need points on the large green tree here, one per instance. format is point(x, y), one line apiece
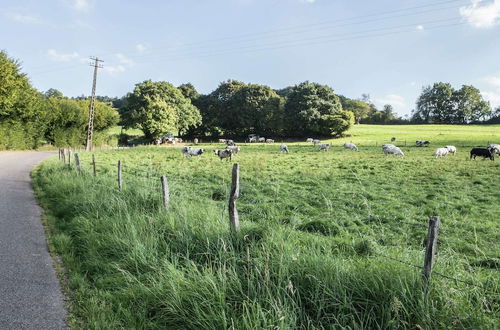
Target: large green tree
point(312, 109)
point(442, 104)
point(359, 108)
point(158, 108)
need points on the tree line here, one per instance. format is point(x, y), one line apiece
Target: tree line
point(29, 118)
point(234, 109)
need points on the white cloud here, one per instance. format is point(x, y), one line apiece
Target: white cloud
point(141, 48)
point(124, 60)
point(24, 18)
point(308, 1)
point(82, 5)
point(61, 57)
point(493, 92)
point(114, 68)
point(395, 100)
point(420, 27)
point(481, 16)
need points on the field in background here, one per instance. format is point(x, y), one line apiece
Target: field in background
point(320, 235)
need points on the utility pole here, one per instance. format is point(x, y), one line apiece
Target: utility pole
point(90, 132)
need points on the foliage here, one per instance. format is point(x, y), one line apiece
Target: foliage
point(158, 108)
point(314, 227)
point(311, 109)
point(359, 108)
point(441, 103)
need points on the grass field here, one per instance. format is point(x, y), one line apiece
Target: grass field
point(320, 235)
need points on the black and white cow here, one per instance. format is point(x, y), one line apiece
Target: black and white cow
point(284, 148)
point(224, 153)
point(483, 152)
point(188, 151)
point(422, 143)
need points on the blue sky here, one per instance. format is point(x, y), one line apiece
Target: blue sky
point(386, 48)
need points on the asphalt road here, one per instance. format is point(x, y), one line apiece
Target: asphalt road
point(30, 294)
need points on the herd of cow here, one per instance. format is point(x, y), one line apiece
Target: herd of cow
point(232, 149)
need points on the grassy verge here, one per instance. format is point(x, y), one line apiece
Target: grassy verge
point(309, 255)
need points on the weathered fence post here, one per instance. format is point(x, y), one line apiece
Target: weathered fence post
point(59, 153)
point(69, 157)
point(431, 248)
point(234, 219)
point(405, 143)
point(64, 156)
point(165, 191)
point(120, 174)
point(93, 164)
point(77, 162)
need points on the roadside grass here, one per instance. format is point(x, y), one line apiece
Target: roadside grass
point(315, 227)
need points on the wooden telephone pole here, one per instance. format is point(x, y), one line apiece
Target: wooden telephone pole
point(90, 132)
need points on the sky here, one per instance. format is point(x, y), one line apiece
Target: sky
point(388, 49)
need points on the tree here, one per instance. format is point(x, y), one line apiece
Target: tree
point(189, 91)
point(443, 104)
point(388, 113)
point(158, 108)
point(360, 109)
point(52, 92)
point(309, 109)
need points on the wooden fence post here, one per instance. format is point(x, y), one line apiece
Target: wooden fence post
point(69, 157)
point(64, 156)
point(431, 248)
point(93, 164)
point(120, 174)
point(166, 192)
point(59, 153)
point(405, 143)
point(77, 162)
point(234, 219)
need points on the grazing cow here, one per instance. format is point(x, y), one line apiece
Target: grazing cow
point(222, 140)
point(393, 139)
point(494, 148)
point(422, 143)
point(252, 140)
point(310, 140)
point(324, 146)
point(452, 149)
point(224, 153)
point(262, 139)
point(234, 149)
point(392, 149)
point(441, 152)
point(283, 148)
point(229, 143)
point(315, 141)
point(483, 152)
point(195, 141)
point(188, 151)
point(269, 141)
point(350, 146)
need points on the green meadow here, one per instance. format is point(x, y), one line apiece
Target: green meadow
point(328, 240)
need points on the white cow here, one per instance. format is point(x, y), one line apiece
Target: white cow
point(188, 151)
point(234, 149)
point(392, 149)
point(441, 152)
point(224, 153)
point(350, 146)
point(269, 141)
point(310, 140)
point(452, 149)
point(262, 139)
point(494, 148)
point(315, 141)
point(283, 148)
point(324, 146)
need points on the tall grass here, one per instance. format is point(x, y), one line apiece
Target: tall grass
point(309, 255)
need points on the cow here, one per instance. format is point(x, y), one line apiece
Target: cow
point(422, 143)
point(316, 141)
point(262, 139)
point(393, 139)
point(392, 149)
point(283, 148)
point(441, 152)
point(324, 147)
point(350, 146)
point(483, 152)
point(229, 143)
point(269, 141)
point(252, 140)
point(452, 149)
point(224, 153)
point(195, 141)
point(222, 140)
point(188, 151)
point(310, 140)
point(234, 149)
point(494, 148)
